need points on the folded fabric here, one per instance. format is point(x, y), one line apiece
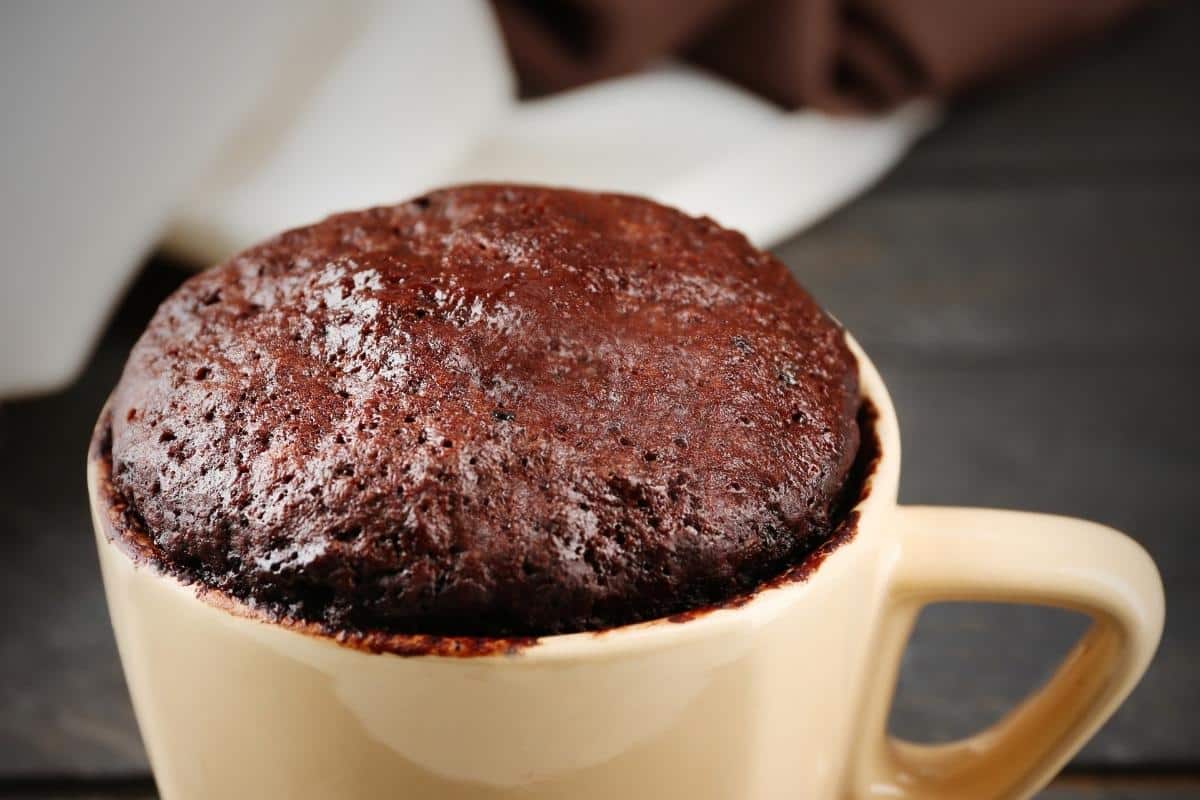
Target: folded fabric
point(835, 55)
point(209, 130)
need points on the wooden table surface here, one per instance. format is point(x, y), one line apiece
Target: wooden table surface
point(1027, 283)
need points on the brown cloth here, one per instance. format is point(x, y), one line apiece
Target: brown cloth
point(838, 55)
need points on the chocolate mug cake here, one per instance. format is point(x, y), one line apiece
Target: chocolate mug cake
point(492, 410)
point(353, 480)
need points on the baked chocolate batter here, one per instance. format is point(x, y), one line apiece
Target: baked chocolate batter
point(493, 410)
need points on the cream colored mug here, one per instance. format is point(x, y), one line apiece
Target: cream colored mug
point(784, 696)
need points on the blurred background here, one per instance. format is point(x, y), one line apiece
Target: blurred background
point(1001, 200)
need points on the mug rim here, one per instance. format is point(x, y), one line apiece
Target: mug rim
point(759, 605)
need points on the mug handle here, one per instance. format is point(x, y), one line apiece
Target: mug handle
point(964, 554)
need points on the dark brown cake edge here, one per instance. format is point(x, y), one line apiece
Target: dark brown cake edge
point(127, 531)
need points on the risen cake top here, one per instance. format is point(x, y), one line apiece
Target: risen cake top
point(490, 410)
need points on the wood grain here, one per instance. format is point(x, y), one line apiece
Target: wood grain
point(1054, 273)
point(1079, 440)
point(1124, 107)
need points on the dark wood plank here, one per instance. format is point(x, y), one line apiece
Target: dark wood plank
point(1064, 271)
point(1111, 789)
point(1088, 441)
point(64, 709)
point(1127, 103)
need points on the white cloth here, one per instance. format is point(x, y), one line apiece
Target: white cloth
point(216, 125)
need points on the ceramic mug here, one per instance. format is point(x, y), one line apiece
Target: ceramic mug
point(785, 695)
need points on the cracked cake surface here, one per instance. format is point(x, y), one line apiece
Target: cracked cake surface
point(492, 410)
